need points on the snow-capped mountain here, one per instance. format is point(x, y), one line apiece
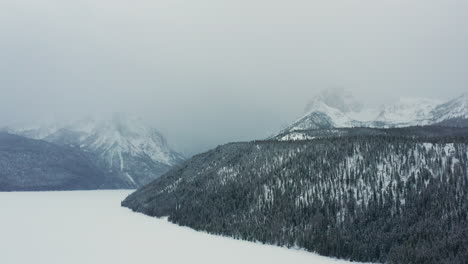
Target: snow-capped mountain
point(126, 146)
point(337, 109)
point(455, 109)
point(322, 116)
point(332, 108)
point(408, 111)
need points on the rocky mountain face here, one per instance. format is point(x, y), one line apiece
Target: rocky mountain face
point(35, 165)
point(338, 109)
point(124, 146)
point(395, 195)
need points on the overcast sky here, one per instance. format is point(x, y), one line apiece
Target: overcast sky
point(209, 71)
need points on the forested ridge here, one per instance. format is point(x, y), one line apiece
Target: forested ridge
point(380, 198)
point(35, 165)
point(417, 132)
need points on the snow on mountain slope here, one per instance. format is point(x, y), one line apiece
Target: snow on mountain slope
point(128, 135)
point(453, 109)
point(126, 145)
point(34, 131)
point(335, 110)
point(295, 136)
point(322, 115)
point(278, 192)
point(408, 111)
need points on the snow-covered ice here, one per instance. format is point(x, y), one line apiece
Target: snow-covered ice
point(89, 227)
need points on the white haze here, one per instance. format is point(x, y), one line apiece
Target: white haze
point(208, 72)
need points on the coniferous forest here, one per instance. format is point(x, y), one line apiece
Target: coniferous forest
point(381, 198)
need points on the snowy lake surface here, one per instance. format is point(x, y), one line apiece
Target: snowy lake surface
point(87, 227)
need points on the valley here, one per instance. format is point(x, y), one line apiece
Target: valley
point(90, 227)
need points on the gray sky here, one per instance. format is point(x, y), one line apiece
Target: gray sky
point(207, 72)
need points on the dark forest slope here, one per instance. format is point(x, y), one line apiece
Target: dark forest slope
point(35, 165)
point(395, 199)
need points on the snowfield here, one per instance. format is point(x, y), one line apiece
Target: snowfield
point(91, 227)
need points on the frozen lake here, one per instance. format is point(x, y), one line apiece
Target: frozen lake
point(87, 227)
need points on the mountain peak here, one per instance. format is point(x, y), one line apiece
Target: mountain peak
point(337, 98)
point(125, 143)
point(337, 108)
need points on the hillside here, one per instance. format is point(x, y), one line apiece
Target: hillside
point(409, 132)
point(127, 148)
point(384, 198)
point(35, 165)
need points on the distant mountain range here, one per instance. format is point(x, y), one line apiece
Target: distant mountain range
point(124, 147)
point(35, 165)
point(338, 109)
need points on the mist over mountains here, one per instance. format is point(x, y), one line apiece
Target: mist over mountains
point(124, 147)
point(212, 112)
point(338, 108)
point(344, 180)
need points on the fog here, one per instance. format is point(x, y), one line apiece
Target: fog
point(208, 72)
